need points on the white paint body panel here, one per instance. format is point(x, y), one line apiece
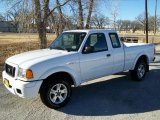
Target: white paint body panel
point(134, 50)
point(81, 67)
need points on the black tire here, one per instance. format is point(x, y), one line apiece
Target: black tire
point(49, 92)
point(136, 74)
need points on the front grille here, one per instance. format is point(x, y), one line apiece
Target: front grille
point(10, 70)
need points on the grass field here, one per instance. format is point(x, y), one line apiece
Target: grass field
point(14, 43)
point(8, 38)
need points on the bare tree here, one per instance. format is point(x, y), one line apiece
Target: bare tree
point(58, 20)
point(113, 7)
point(20, 14)
point(151, 20)
point(21, 19)
point(70, 22)
point(99, 21)
point(91, 2)
point(126, 25)
point(141, 19)
point(80, 12)
point(12, 15)
point(83, 11)
point(41, 21)
point(114, 14)
point(2, 18)
point(119, 25)
point(60, 15)
point(42, 13)
point(135, 26)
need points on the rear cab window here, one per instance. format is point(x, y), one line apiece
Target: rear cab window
point(114, 40)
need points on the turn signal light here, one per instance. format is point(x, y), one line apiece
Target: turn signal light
point(29, 74)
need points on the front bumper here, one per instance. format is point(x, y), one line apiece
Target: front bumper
point(23, 89)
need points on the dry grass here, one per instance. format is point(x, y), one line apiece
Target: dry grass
point(11, 44)
point(8, 38)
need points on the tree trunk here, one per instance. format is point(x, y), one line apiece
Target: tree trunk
point(55, 26)
point(41, 23)
point(60, 14)
point(89, 14)
point(155, 18)
point(42, 35)
point(80, 14)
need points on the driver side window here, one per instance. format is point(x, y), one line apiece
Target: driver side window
point(97, 41)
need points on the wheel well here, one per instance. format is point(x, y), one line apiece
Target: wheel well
point(59, 74)
point(145, 58)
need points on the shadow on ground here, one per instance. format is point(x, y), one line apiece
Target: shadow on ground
point(116, 96)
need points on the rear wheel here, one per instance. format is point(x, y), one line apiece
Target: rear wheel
point(56, 93)
point(139, 71)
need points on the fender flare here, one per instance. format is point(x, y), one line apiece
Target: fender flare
point(49, 72)
point(137, 57)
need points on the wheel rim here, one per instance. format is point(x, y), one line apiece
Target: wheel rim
point(141, 71)
point(58, 93)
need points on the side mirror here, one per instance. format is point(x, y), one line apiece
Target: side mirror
point(88, 49)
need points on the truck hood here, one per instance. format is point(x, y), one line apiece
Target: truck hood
point(36, 54)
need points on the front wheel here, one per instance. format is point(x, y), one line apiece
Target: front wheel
point(139, 71)
point(56, 93)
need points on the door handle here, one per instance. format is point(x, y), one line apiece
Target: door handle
point(108, 55)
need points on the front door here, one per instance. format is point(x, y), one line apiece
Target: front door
point(97, 62)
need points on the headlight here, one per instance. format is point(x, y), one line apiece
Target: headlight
point(21, 73)
point(25, 73)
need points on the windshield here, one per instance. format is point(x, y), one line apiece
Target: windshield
point(68, 41)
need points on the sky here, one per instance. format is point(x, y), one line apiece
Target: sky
point(127, 9)
point(130, 9)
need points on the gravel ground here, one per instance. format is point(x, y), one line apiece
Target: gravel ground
point(114, 97)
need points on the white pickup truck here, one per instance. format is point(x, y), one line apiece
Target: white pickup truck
point(75, 57)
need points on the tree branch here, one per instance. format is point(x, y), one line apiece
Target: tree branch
point(57, 7)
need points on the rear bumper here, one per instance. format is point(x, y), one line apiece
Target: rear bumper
point(20, 88)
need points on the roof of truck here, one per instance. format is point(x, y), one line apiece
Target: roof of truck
point(91, 30)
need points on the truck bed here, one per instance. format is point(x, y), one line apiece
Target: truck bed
point(134, 50)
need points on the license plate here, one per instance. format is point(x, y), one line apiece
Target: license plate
point(6, 82)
